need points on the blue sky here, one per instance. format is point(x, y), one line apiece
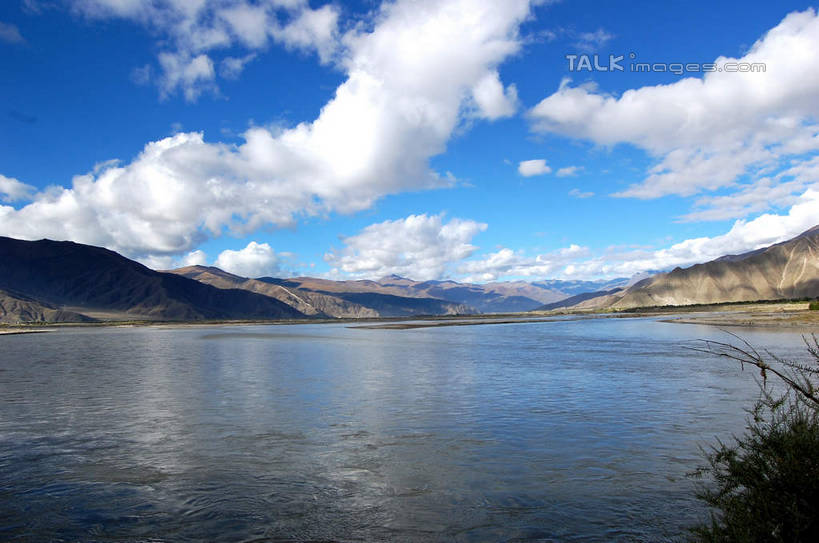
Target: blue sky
point(444, 139)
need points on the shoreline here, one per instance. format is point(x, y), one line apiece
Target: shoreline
point(785, 315)
point(762, 315)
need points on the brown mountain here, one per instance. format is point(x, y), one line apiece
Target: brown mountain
point(323, 297)
point(67, 276)
point(788, 270)
point(394, 296)
point(502, 297)
point(306, 301)
point(16, 309)
point(578, 299)
point(499, 297)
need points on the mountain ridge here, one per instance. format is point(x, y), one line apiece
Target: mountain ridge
point(64, 274)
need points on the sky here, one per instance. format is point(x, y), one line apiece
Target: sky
point(449, 139)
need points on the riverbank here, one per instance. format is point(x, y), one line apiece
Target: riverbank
point(764, 314)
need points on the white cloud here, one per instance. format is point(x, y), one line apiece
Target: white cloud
point(577, 193)
point(420, 247)
point(195, 258)
point(529, 168)
point(255, 260)
point(112, 8)
point(569, 171)
point(408, 82)
point(577, 262)
point(706, 133)
point(10, 33)
point(232, 67)
point(743, 236)
point(193, 75)
point(312, 29)
point(191, 32)
point(592, 41)
point(493, 102)
point(423, 247)
point(428, 247)
point(508, 263)
point(779, 190)
point(12, 190)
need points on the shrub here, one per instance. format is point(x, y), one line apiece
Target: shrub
point(765, 486)
point(814, 306)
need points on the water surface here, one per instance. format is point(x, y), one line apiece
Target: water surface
point(556, 431)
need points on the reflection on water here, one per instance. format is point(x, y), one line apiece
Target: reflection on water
point(559, 431)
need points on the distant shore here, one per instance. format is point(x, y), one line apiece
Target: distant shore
point(763, 314)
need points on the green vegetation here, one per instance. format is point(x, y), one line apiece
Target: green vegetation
point(765, 486)
point(814, 306)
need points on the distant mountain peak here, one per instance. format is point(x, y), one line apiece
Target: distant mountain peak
point(394, 277)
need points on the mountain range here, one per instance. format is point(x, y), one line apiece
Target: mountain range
point(391, 296)
point(61, 281)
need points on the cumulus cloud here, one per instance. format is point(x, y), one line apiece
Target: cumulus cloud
point(425, 247)
point(529, 168)
point(508, 263)
point(743, 236)
point(12, 190)
point(192, 33)
point(312, 29)
point(428, 247)
point(492, 100)
point(255, 260)
point(421, 247)
point(575, 262)
point(408, 83)
point(195, 258)
point(707, 133)
point(191, 74)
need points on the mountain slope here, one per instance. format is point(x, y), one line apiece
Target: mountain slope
point(308, 302)
point(395, 296)
point(385, 300)
point(576, 287)
point(16, 309)
point(578, 298)
point(84, 278)
point(389, 305)
point(787, 270)
point(501, 297)
point(320, 297)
